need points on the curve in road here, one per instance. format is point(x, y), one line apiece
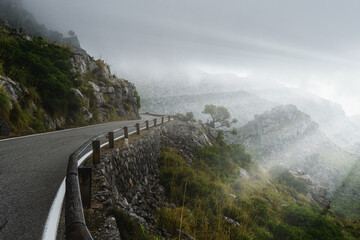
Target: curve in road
point(31, 171)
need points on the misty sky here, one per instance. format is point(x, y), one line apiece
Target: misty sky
point(313, 45)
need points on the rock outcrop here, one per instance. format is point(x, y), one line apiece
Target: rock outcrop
point(11, 88)
point(275, 130)
point(109, 91)
point(288, 137)
point(96, 95)
point(317, 194)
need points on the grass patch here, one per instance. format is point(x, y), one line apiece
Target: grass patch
point(5, 104)
point(266, 207)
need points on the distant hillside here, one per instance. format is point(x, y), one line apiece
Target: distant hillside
point(346, 199)
point(245, 97)
point(330, 116)
point(13, 14)
point(356, 120)
point(242, 105)
point(45, 86)
point(287, 137)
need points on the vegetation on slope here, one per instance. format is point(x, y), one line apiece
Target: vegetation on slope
point(346, 200)
point(41, 65)
point(45, 71)
point(49, 93)
point(264, 208)
point(211, 200)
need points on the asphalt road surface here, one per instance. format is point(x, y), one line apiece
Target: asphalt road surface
point(31, 171)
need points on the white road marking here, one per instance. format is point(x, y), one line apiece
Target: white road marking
point(53, 219)
point(58, 131)
point(52, 222)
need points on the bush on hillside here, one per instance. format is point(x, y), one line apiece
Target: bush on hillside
point(283, 175)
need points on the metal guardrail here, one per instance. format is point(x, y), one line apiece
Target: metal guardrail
point(74, 214)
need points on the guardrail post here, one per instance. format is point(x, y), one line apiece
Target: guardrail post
point(162, 120)
point(154, 122)
point(126, 133)
point(147, 124)
point(169, 118)
point(85, 185)
point(111, 139)
point(96, 152)
point(137, 128)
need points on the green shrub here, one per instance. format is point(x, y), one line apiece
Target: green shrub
point(209, 180)
point(313, 224)
point(284, 176)
point(5, 104)
point(285, 232)
point(20, 119)
point(44, 66)
point(259, 211)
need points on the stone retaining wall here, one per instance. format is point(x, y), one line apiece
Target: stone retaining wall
point(128, 176)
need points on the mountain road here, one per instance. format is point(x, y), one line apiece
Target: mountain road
point(31, 171)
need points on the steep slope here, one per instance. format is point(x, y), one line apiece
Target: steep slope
point(44, 86)
point(346, 199)
point(330, 116)
point(14, 15)
point(287, 137)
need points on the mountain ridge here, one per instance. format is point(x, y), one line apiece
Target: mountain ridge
point(288, 137)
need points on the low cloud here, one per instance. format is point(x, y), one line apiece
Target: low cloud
point(312, 45)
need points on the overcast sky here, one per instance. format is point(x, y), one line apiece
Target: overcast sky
point(311, 44)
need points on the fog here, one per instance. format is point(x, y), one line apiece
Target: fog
point(313, 45)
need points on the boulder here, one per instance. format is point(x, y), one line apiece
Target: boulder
point(12, 88)
point(87, 115)
point(244, 174)
point(77, 93)
point(231, 222)
point(320, 195)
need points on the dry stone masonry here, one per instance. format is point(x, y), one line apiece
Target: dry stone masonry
point(128, 176)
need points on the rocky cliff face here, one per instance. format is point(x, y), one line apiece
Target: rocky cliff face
point(82, 90)
point(275, 130)
point(330, 116)
point(287, 137)
point(110, 95)
point(315, 193)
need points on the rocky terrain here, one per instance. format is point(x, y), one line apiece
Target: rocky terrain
point(110, 91)
point(330, 116)
point(287, 137)
point(315, 193)
point(245, 97)
point(82, 90)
